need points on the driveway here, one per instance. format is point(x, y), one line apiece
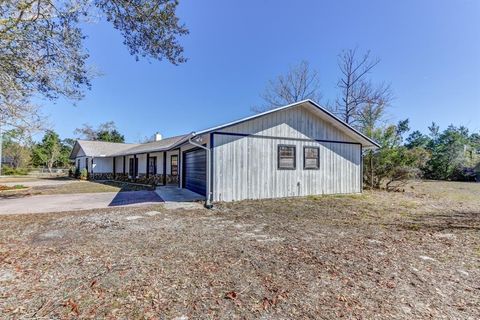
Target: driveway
point(73, 202)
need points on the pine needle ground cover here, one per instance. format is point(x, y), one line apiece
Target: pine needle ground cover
point(414, 254)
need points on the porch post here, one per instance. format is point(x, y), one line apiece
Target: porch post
point(124, 165)
point(91, 169)
point(114, 169)
point(135, 167)
point(179, 165)
point(164, 167)
point(146, 166)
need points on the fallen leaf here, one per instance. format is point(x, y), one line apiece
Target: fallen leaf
point(232, 295)
point(266, 303)
point(73, 306)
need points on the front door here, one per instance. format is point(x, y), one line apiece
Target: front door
point(133, 167)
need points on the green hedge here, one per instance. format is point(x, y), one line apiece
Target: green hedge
point(10, 171)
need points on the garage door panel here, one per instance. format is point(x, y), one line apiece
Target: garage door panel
point(195, 171)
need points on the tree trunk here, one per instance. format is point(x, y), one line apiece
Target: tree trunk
point(371, 170)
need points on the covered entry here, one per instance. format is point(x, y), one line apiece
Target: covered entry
point(195, 170)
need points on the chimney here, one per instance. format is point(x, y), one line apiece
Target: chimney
point(157, 137)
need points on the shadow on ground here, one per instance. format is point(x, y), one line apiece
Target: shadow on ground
point(130, 193)
point(123, 198)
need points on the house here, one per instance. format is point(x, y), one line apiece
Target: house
point(296, 150)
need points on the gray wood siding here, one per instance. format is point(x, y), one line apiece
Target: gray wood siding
point(298, 123)
point(247, 167)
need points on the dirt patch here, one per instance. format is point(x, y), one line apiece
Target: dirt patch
point(17, 187)
point(378, 255)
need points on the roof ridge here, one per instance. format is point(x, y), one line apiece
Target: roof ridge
point(83, 140)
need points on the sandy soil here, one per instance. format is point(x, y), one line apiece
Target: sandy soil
point(411, 255)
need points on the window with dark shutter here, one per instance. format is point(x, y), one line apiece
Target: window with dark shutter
point(286, 157)
point(311, 158)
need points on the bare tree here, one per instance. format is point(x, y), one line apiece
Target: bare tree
point(370, 117)
point(299, 83)
point(357, 91)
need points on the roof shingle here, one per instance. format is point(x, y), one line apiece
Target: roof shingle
point(110, 149)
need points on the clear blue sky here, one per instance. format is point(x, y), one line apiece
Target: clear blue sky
point(430, 52)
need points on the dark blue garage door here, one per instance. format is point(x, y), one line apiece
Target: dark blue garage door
point(195, 171)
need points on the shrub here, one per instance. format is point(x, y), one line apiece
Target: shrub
point(11, 171)
point(464, 174)
point(83, 174)
point(77, 173)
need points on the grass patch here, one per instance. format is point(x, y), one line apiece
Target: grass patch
point(75, 187)
point(336, 196)
point(10, 188)
point(90, 187)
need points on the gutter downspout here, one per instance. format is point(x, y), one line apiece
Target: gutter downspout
point(208, 201)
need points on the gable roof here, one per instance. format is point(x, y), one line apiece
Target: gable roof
point(108, 149)
point(99, 148)
point(112, 149)
point(160, 145)
point(324, 113)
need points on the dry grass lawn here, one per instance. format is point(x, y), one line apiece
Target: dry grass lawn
point(88, 187)
point(68, 186)
point(411, 255)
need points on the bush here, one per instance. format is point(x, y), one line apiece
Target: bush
point(77, 173)
point(83, 174)
point(11, 171)
point(464, 174)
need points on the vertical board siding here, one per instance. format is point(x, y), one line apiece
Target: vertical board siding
point(246, 166)
point(142, 163)
point(102, 165)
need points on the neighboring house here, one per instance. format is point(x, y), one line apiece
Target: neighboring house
point(296, 150)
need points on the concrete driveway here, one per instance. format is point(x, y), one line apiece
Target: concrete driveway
point(74, 202)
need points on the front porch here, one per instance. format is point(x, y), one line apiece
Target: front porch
point(156, 169)
point(184, 166)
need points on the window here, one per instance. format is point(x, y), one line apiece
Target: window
point(311, 158)
point(174, 165)
point(78, 164)
point(152, 165)
point(86, 164)
point(286, 157)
